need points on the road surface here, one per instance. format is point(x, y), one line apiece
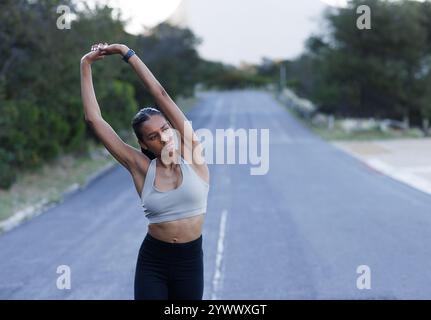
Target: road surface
point(298, 232)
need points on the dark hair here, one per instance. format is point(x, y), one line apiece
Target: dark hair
point(143, 115)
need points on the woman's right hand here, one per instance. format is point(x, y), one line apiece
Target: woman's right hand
point(95, 54)
point(100, 50)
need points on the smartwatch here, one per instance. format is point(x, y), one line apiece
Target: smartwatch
point(127, 56)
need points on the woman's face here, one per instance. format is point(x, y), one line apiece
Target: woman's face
point(157, 134)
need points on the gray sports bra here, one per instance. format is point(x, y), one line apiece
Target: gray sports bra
point(189, 199)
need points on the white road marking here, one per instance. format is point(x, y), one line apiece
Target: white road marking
point(217, 279)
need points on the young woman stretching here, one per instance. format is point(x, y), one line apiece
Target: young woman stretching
point(172, 181)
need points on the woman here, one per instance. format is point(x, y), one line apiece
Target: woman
point(173, 183)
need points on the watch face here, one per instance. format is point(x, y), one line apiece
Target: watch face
point(129, 54)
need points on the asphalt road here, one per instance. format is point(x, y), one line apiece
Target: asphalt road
point(298, 232)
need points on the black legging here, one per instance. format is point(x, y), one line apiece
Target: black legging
point(171, 271)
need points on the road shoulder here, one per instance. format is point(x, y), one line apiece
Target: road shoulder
point(405, 160)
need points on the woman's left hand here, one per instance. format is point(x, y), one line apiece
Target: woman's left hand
point(115, 48)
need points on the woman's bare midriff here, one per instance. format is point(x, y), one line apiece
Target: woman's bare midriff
point(178, 231)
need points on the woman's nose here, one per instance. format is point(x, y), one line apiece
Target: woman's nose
point(166, 136)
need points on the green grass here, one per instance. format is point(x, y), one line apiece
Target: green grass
point(50, 181)
point(364, 135)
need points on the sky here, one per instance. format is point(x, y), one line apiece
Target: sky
point(235, 31)
point(248, 30)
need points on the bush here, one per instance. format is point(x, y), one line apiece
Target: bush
point(7, 173)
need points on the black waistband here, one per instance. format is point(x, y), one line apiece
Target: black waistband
point(189, 244)
point(167, 250)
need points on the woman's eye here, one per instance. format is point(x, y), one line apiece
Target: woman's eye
point(166, 129)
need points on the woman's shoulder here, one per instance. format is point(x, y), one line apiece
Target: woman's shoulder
point(200, 168)
point(141, 167)
point(142, 163)
point(142, 173)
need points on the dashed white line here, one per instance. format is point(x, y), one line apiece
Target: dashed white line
point(217, 279)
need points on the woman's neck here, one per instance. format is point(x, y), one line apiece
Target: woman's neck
point(172, 160)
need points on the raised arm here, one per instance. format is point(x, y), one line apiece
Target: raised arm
point(169, 108)
point(131, 158)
